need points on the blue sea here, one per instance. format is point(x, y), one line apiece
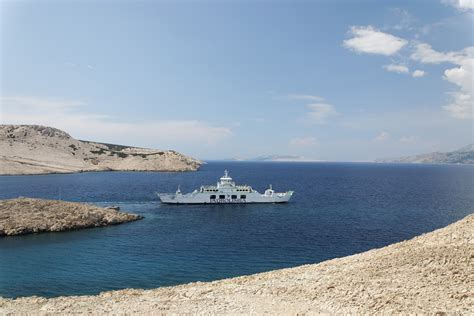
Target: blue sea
point(338, 209)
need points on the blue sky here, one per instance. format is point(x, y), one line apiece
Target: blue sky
point(328, 80)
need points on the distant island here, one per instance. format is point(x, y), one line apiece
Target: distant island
point(276, 158)
point(283, 158)
point(464, 155)
point(35, 149)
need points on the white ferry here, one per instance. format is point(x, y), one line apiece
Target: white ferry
point(225, 192)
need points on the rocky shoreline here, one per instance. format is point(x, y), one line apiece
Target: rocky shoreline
point(429, 274)
point(26, 216)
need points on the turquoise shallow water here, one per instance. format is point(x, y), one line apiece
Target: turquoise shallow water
point(338, 209)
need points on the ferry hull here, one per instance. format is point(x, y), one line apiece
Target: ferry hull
point(206, 199)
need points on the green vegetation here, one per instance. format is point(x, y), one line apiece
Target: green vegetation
point(101, 151)
point(112, 147)
point(120, 154)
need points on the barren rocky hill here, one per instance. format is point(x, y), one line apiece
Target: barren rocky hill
point(26, 215)
point(432, 274)
point(34, 149)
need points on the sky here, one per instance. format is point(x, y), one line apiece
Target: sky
point(326, 80)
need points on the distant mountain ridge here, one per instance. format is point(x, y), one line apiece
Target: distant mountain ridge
point(464, 155)
point(36, 149)
point(282, 158)
point(275, 158)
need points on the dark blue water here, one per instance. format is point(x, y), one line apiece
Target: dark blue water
point(338, 209)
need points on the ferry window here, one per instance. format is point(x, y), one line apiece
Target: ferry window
point(221, 197)
point(243, 196)
point(213, 197)
point(234, 197)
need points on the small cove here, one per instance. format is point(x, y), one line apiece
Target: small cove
point(338, 209)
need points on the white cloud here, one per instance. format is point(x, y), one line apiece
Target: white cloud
point(418, 73)
point(461, 103)
point(463, 5)
point(382, 137)
point(370, 40)
point(367, 39)
point(70, 117)
point(305, 97)
point(426, 54)
point(401, 69)
point(320, 112)
point(462, 76)
point(303, 142)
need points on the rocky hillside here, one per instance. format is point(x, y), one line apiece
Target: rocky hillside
point(34, 149)
point(429, 275)
point(463, 155)
point(25, 216)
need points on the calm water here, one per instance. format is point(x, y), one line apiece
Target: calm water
point(338, 209)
